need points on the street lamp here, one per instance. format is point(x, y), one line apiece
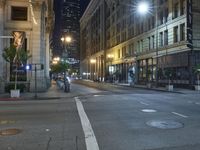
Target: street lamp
point(144, 8)
point(66, 40)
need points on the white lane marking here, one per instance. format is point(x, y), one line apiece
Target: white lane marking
point(97, 95)
point(90, 139)
point(181, 115)
point(144, 103)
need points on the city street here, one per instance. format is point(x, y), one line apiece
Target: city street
point(120, 118)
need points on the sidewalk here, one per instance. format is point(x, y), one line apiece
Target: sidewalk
point(175, 90)
point(52, 93)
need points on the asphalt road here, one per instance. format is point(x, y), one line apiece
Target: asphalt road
point(90, 119)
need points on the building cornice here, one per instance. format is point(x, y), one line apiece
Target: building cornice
point(90, 10)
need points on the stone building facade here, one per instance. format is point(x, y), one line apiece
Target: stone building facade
point(36, 19)
point(141, 47)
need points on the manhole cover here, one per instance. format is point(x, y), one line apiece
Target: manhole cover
point(165, 124)
point(149, 110)
point(8, 132)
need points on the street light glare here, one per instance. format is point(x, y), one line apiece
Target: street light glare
point(143, 7)
point(68, 39)
point(62, 39)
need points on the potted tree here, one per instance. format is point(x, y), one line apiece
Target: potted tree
point(197, 72)
point(61, 67)
point(169, 73)
point(16, 58)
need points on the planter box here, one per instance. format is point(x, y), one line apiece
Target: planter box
point(149, 85)
point(15, 93)
point(170, 87)
point(197, 87)
point(132, 84)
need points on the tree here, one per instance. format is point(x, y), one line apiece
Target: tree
point(59, 67)
point(15, 58)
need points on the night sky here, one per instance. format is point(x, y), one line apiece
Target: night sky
point(84, 4)
point(57, 26)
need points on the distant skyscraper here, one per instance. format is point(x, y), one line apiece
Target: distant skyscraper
point(70, 16)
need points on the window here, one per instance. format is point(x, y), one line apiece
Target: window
point(19, 13)
point(166, 12)
point(161, 38)
point(138, 46)
point(166, 37)
point(152, 41)
point(175, 10)
point(182, 32)
point(161, 17)
point(149, 43)
point(124, 51)
point(182, 7)
point(175, 34)
point(119, 53)
point(141, 45)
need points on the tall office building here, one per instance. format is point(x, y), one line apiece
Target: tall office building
point(125, 46)
point(70, 16)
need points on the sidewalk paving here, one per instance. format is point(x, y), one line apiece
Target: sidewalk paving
point(52, 93)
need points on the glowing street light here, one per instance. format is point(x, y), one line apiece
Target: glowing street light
point(66, 39)
point(143, 7)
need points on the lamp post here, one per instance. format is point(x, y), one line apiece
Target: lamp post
point(66, 40)
point(143, 8)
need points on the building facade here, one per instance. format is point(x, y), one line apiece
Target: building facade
point(35, 19)
point(70, 26)
point(143, 48)
point(92, 34)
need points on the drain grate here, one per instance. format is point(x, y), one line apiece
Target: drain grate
point(9, 132)
point(165, 124)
